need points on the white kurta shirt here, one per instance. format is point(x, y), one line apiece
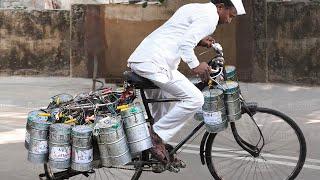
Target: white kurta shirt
point(177, 38)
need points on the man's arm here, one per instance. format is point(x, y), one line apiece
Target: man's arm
point(200, 29)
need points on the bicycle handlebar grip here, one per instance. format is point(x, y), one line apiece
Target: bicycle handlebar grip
point(218, 48)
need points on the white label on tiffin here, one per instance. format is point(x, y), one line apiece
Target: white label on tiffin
point(83, 156)
point(212, 118)
point(39, 147)
point(27, 137)
point(61, 153)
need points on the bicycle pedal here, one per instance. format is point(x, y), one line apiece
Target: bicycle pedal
point(158, 168)
point(171, 168)
point(180, 164)
point(42, 177)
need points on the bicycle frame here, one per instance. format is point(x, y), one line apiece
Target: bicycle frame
point(251, 149)
point(150, 118)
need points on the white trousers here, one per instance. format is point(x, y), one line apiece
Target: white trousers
point(172, 84)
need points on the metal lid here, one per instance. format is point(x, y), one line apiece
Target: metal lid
point(41, 121)
point(41, 124)
point(82, 130)
point(36, 115)
point(133, 109)
point(61, 127)
point(230, 87)
point(212, 94)
point(107, 124)
point(230, 71)
point(98, 118)
point(61, 98)
point(53, 114)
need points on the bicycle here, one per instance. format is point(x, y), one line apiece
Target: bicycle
point(243, 151)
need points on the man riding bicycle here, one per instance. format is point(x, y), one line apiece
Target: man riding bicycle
point(158, 56)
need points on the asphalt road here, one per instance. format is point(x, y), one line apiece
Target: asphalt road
point(19, 95)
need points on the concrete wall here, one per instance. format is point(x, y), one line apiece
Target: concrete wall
point(57, 4)
point(34, 42)
point(275, 41)
point(32, 4)
point(279, 42)
point(251, 42)
point(124, 27)
point(37, 42)
point(47, 4)
point(10, 3)
point(87, 39)
point(293, 42)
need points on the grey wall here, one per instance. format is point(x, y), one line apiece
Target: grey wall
point(34, 42)
point(10, 3)
point(279, 42)
point(275, 41)
point(293, 37)
point(32, 4)
point(112, 32)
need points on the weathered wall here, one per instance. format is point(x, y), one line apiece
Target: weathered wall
point(34, 42)
point(87, 39)
point(275, 41)
point(293, 42)
point(10, 3)
point(32, 4)
point(125, 26)
point(250, 42)
point(279, 42)
point(56, 4)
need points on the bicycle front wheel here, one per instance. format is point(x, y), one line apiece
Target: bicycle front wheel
point(281, 158)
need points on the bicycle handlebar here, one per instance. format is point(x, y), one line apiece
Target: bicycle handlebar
point(218, 48)
point(217, 63)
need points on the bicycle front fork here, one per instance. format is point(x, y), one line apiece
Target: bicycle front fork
point(254, 150)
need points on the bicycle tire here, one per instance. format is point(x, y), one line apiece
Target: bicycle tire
point(138, 172)
point(259, 110)
point(51, 176)
point(136, 175)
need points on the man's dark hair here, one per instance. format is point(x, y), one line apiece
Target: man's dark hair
point(227, 3)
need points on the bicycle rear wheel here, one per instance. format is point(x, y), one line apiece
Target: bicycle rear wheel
point(131, 171)
point(282, 157)
point(115, 173)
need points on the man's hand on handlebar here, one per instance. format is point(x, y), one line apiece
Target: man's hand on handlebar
point(206, 42)
point(203, 71)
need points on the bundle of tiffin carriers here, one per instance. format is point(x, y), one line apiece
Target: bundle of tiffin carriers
point(74, 132)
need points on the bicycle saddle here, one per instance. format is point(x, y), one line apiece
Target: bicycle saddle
point(138, 82)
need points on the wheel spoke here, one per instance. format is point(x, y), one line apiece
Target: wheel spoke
point(275, 170)
point(252, 162)
point(100, 174)
point(232, 163)
point(104, 170)
point(283, 140)
point(121, 173)
point(245, 165)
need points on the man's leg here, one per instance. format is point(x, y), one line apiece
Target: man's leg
point(176, 85)
point(156, 74)
point(191, 100)
point(158, 110)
